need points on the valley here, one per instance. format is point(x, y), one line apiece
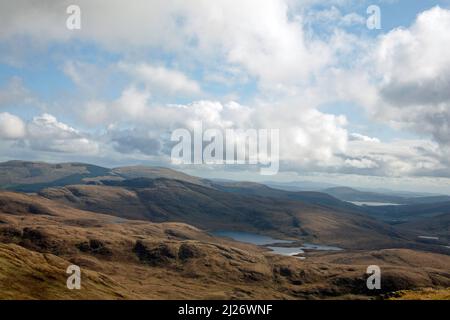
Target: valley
point(155, 233)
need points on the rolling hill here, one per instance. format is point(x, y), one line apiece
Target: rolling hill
point(132, 259)
point(160, 194)
point(161, 200)
point(25, 176)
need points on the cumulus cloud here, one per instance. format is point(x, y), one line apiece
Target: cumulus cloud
point(306, 135)
point(11, 127)
point(130, 106)
point(414, 66)
point(45, 133)
point(416, 55)
point(396, 158)
point(401, 80)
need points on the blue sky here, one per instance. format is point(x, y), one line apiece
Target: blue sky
point(133, 74)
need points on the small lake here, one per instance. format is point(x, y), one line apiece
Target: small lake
point(428, 238)
point(319, 247)
point(286, 251)
point(373, 204)
point(272, 243)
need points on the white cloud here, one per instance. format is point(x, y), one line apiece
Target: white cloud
point(306, 135)
point(417, 53)
point(260, 36)
point(46, 133)
point(414, 67)
point(130, 106)
point(132, 102)
point(401, 80)
point(395, 159)
point(11, 126)
point(160, 79)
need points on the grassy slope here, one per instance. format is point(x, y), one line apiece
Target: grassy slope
point(421, 294)
point(25, 274)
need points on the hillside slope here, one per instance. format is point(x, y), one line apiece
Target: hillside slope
point(436, 226)
point(122, 259)
point(33, 176)
point(162, 200)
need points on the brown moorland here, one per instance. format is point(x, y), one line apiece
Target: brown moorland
point(132, 259)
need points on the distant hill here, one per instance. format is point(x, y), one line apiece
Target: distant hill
point(409, 212)
point(354, 195)
point(133, 172)
point(33, 176)
point(300, 185)
point(28, 176)
point(311, 197)
point(350, 194)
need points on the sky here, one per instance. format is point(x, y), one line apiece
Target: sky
point(354, 105)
